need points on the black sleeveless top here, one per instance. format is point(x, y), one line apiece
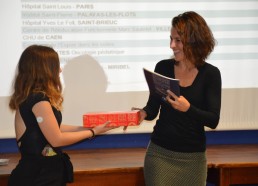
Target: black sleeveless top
point(34, 169)
point(33, 141)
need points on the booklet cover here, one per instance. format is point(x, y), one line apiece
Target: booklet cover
point(159, 84)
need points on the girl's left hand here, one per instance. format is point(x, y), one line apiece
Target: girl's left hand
point(178, 103)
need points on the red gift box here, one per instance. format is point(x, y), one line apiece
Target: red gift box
point(128, 118)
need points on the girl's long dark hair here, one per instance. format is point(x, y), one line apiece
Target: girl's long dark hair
point(37, 71)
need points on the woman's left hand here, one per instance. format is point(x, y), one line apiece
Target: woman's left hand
point(178, 103)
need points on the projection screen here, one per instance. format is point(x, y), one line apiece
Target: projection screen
point(104, 44)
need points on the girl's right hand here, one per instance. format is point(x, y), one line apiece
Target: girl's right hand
point(103, 128)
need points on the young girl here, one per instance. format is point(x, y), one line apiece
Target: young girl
point(37, 100)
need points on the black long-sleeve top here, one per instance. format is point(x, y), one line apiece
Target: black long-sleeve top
point(185, 131)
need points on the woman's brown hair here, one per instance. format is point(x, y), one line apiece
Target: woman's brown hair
point(37, 72)
point(196, 36)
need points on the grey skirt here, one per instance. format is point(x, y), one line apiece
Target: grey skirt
point(163, 167)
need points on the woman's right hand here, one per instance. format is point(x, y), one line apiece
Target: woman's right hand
point(143, 115)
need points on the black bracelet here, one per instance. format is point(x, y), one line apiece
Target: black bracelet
point(93, 133)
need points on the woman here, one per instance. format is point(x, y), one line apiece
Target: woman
point(37, 100)
point(176, 153)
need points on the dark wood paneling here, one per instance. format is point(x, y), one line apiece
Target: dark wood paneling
point(227, 164)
